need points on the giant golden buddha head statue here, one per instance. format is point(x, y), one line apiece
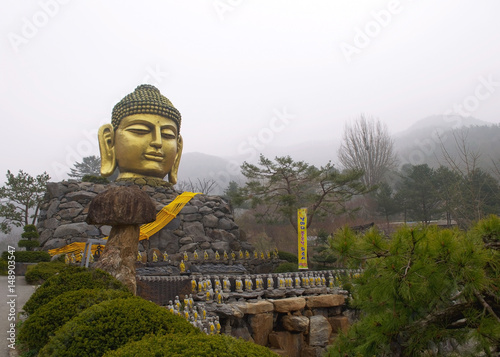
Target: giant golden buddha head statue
point(143, 139)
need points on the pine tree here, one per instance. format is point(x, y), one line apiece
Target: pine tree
point(426, 291)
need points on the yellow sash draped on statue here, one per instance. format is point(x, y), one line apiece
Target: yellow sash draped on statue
point(163, 218)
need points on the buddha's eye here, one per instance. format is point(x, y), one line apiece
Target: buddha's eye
point(139, 129)
point(167, 134)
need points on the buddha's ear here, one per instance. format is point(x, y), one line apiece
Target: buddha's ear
point(106, 137)
point(172, 176)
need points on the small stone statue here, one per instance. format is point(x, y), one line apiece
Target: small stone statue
point(270, 282)
point(155, 257)
point(239, 285)
point(205, 255)
point(248, 284)
point(255, 254)
point(182, 267)
point(225, 255)
point(217, 256)
point(247, 254)
point(233, 255)
point(217, 324)
point(165, 256)
point(185, 256)
point(226, 285)
point(195, 255)
point(193, 285)
point(217, 283)
point(241, 254)
point(139, 257)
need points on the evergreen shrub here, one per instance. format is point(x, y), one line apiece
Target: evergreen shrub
point(289, 257)
point(36, 330)
point(68, 279)
point(112, 324)
point(286, 268)
point(191, 345)
point(37, 274)
point(28, 257)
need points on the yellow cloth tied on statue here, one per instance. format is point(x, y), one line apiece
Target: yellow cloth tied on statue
point(163, 218)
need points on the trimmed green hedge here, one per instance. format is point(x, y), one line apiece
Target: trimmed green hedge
point(36, 330)
point(112, 324)
point(71, 278)
point(28, 257)
point(289, 257)
point(28, 244)
point(191, 345)
point(37, 274)
point(286, 268)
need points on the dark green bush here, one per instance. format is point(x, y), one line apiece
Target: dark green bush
point(68, 279)
point(191, 345)
point(289, 257)
point(112, 324)
point(28, 244)
point(286, 268)
point(28, 257)
point(36, 330)
point(95, 179)
point(37, 274)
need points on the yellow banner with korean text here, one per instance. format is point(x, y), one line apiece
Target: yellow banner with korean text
point(302, 230)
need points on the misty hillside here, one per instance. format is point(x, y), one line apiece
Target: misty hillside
point(195, 165)
point(423, 141)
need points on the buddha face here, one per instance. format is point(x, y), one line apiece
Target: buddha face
point(143, 145)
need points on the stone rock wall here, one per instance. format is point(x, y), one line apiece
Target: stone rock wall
point(205, 223)
point(294, 327)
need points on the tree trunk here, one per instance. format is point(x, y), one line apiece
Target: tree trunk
point(120, 253)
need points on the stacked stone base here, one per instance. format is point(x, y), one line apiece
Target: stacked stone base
point(294, 327)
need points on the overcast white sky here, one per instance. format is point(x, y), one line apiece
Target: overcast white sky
point(230, 66)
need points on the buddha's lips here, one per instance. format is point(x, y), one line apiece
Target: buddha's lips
point(155, 156)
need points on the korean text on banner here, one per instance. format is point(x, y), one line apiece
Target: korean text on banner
point(302, 230)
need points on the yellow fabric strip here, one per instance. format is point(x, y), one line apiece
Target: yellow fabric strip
point(163, 218)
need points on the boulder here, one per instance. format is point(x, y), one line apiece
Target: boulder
point(261, 326)
point(328, 300)
point(319, 331)
point(295, 323)
point(289, 304)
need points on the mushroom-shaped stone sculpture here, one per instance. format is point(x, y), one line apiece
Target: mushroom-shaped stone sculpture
point(124, 209)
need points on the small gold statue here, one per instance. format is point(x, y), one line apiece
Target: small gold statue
point(217, 256)
point(262, 256)
point(247, 254)
point(139, 257)
point(225, 255)
point(241, 254)
point(165, 256)
point(155, 257)
point(185, 256)
point(195, 255)
point(143, 139)
point(182, 267)
point(233, 255)
point(205, 255)
point(255, 254)
point(67, 258)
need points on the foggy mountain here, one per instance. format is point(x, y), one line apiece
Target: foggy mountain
point(419, 144)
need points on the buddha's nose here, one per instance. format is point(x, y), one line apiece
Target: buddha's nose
point(156, 140)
